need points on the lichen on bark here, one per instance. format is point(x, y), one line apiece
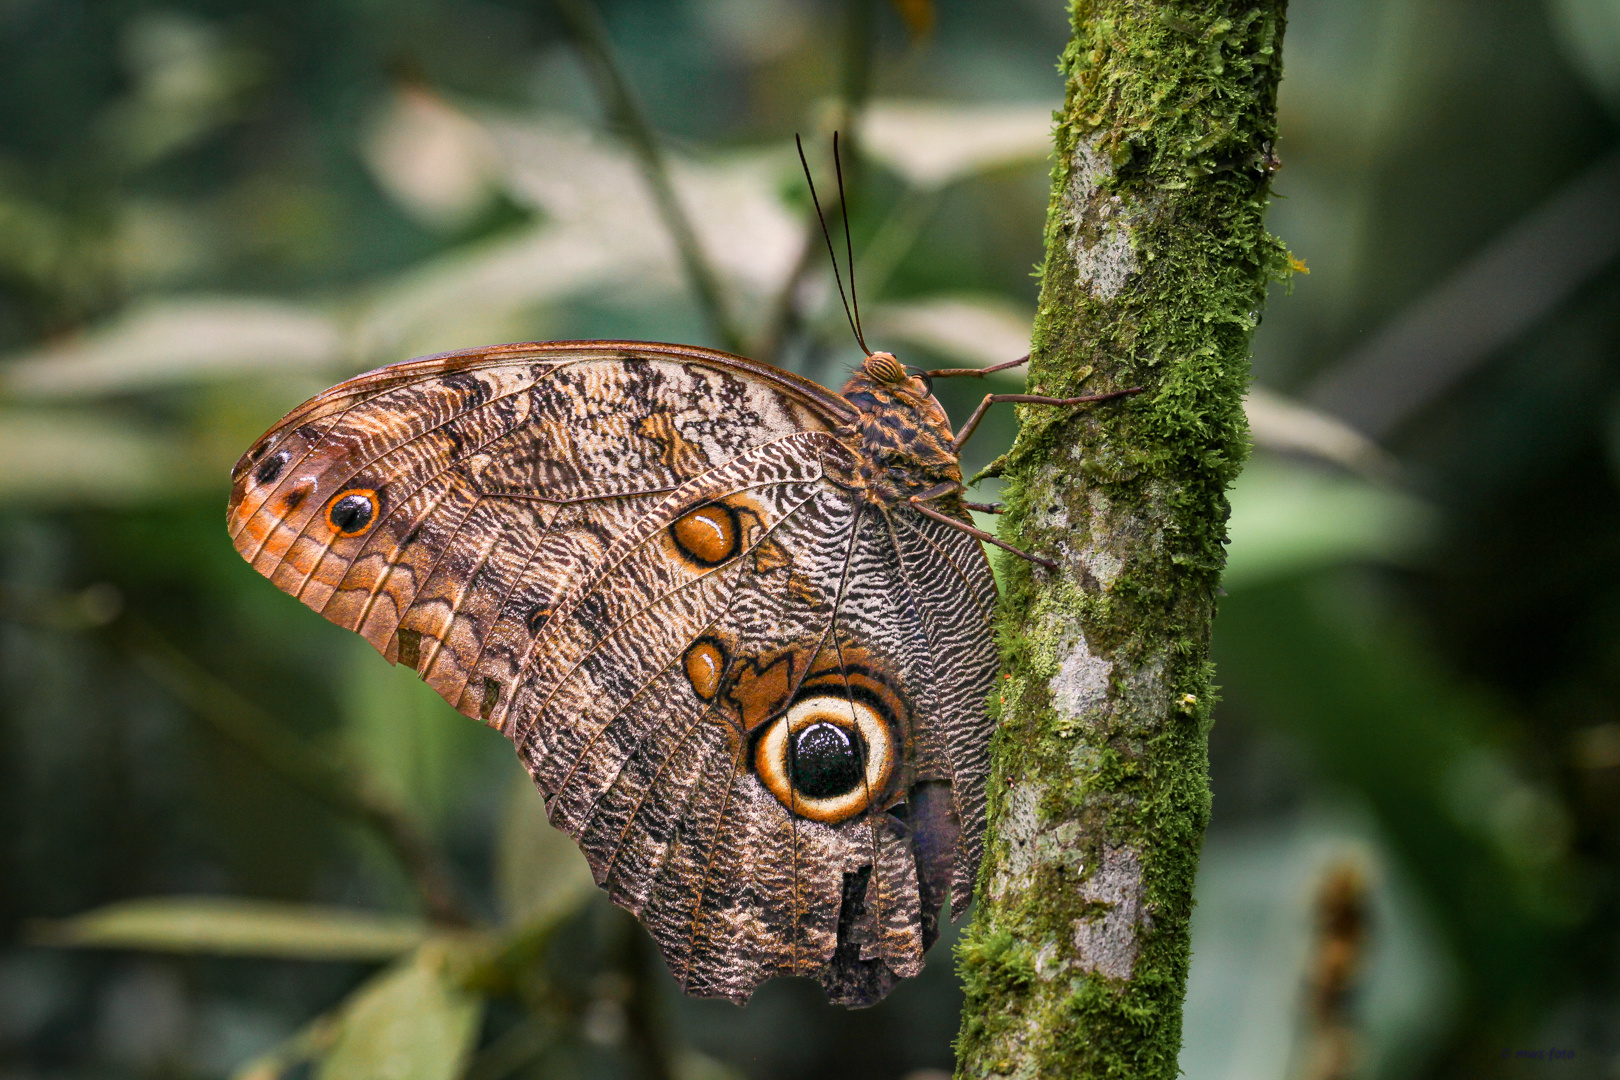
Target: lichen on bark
point(1157, 262)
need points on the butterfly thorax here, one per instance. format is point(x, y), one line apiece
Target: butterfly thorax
point(902, 438)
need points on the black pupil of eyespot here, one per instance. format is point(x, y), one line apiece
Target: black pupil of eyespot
point(351, 512)
point(826, 761)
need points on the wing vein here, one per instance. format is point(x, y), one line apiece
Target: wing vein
point(586, 654)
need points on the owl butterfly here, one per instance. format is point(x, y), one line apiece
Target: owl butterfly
point(737, 625)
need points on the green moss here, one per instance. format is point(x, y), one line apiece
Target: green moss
point(997, 959)
point(1171, 110)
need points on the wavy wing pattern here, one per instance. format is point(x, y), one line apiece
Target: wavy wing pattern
point(632, 560)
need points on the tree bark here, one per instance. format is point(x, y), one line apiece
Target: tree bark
point(1157, 263)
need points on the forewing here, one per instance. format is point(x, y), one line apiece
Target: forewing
point(476, 485)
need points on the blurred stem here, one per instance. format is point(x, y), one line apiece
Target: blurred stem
point(649, 1044)
point(585, 24)
point(516, 1048)
point(1343, 911)
point(340, 786)
point(895, 239)
point(1157, 262)
point(855, 86)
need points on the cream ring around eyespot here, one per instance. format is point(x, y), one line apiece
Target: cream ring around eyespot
point(771, 756)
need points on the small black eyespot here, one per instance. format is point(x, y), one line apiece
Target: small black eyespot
point(827, 761)
point(271, 468)
point(352, 513)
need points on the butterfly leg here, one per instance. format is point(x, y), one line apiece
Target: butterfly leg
point(920, 503)
point(1029, 399)
point(986, 508)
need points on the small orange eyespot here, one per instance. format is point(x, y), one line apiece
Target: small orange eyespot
point(351, 512)
point(708, 535)
point(705, 661)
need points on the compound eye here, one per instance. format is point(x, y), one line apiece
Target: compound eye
point(827, 758)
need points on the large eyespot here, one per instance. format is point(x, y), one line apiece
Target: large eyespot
point(351, 512)
point(827, 758)
point(708, 535)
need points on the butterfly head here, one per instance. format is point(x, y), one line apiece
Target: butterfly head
point(883, 379)
point(885, 369)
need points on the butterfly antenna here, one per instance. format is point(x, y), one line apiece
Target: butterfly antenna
point(827, 236)
point(849, 248)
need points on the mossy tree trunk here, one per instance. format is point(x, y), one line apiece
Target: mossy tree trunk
point(1157, 262)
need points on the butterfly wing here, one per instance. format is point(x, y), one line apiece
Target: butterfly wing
point(403, 503)
point(633, 561)
point(949, 593)
point(654, 723)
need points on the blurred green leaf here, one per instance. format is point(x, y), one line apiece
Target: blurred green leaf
point(691, 1065)
point(238, 927)
point(600, 233)
point(1255, 927)
point(412, 1022)
point(57, 457)
point(306, 1045)
point(1288, 426)
point(188, 80)
point(168, 342)
point(1292, 518)
point(1589, 33)
point(1320, 659)
point(414, 745)
point(932, 144)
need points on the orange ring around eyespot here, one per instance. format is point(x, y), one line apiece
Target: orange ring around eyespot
point(770, 759)
point(355, 528)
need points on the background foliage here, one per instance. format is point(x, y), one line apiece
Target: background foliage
point(293, 857)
